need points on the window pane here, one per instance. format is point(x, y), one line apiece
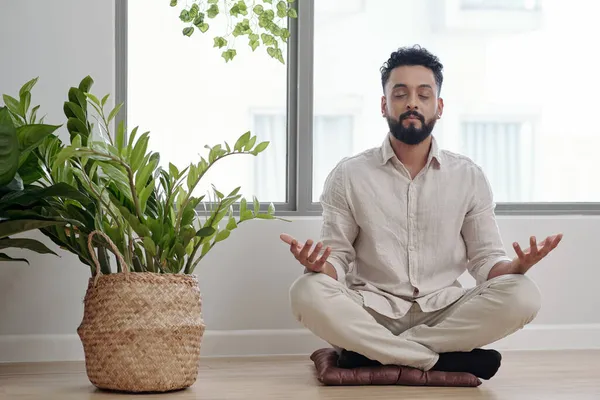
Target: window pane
point(184, 92)
point(519, 87)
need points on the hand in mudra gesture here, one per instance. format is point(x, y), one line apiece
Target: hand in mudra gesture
point(535, 253)
point(303, 254)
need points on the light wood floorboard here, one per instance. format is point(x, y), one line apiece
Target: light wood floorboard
point(568, 375)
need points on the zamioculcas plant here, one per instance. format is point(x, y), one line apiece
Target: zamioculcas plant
point(150, 213)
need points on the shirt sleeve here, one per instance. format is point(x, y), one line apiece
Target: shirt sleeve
point(480, 231)
point(339, 229)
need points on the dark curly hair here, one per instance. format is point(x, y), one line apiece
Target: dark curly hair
point(415, 55)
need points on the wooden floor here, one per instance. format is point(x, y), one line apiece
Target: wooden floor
point(569, 375)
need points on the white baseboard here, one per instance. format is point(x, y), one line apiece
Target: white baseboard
point(40, 348)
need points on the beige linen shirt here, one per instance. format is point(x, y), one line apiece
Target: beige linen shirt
point(397, 240)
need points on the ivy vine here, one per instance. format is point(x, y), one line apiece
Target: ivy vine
point(263, 22)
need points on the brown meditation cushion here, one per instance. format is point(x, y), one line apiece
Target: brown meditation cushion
point(330, 374)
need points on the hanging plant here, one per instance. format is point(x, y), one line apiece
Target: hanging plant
point(263, 24)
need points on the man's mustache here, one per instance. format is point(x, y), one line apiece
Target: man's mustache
point(412, 113)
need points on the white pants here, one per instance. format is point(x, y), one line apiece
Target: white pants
point(485, 314)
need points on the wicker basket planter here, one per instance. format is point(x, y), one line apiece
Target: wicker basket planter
point(141, 332)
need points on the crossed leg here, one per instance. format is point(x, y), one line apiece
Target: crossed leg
point(485, 314)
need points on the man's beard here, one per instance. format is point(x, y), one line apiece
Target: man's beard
point(410, 135)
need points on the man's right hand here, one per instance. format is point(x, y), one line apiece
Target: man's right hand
point(310, 260)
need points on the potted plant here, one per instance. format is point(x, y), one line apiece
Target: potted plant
point(142, 326)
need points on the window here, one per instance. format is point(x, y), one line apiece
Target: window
point(505, 151)
point(517, 99)
point(182, 91)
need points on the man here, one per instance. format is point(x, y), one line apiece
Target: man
point(401, 223)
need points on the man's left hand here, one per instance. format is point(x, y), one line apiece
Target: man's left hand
point(531, 256)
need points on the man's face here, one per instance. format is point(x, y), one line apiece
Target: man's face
point(410, 103)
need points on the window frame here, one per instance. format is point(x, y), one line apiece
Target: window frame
point(299, 121)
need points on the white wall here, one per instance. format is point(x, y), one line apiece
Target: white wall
point(245, 280)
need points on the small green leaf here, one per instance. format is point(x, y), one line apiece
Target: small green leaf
point(12, 104)
point(194, 10)
point(94, 99)
point(205, 248)
point(292, 13)
point(28, 86)
point(187, 31)
point(258, 9)
point(246, 215)
point(222, 236)
point(241, 142)
point(185, 16)
point(173, 3)
point(212, 11)
point(243, 205)
point(231, 225)
point(260, 148)
point(250, 143)
point(254, 44)
point(228, 55)
point(220, 42)
point(206, 231)
point(114, 112)
point(271, 209)
point(173, 171)
point(212, 1)
point(256, 205)
point(4, 257)
point(219, 194)
point(203, 27)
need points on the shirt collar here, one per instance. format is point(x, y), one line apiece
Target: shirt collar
point(387, 152)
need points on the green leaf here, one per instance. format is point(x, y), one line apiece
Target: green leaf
point(94, 99)
point(292, 13)
point(219, 194)
point(205, 249)
point(24, 103)
point(9, 148)
point(13, 227)
point(120, 139)
point(212, 11)
point(139, 151)
point(222, 236)
point(33, 114)
point(76, 111)
point(268, 1)
point(264, 216)
point(173, 3)
point(212, 1)
point(31, 136)
point(260, 148)
point(145, 195)
point(250, 143)
point(185, 16)
point(29, 244)
point(256, 205)
point(258, 9)
point(86, 84)
point(220, 42)
point(4, 257)
point(254, 44)
point(232, 224)
point(228, 55)
point(114, 112)
point(188, 31)
point(203, 27)
point(271, 209)
point(241, 142)
point(206, 231)
point(12, 104)
point(30, 170)
point(194, 10)
point(28, 86)
point(246, 215)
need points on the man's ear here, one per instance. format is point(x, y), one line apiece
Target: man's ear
point(440, 108)
point(383, 106)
